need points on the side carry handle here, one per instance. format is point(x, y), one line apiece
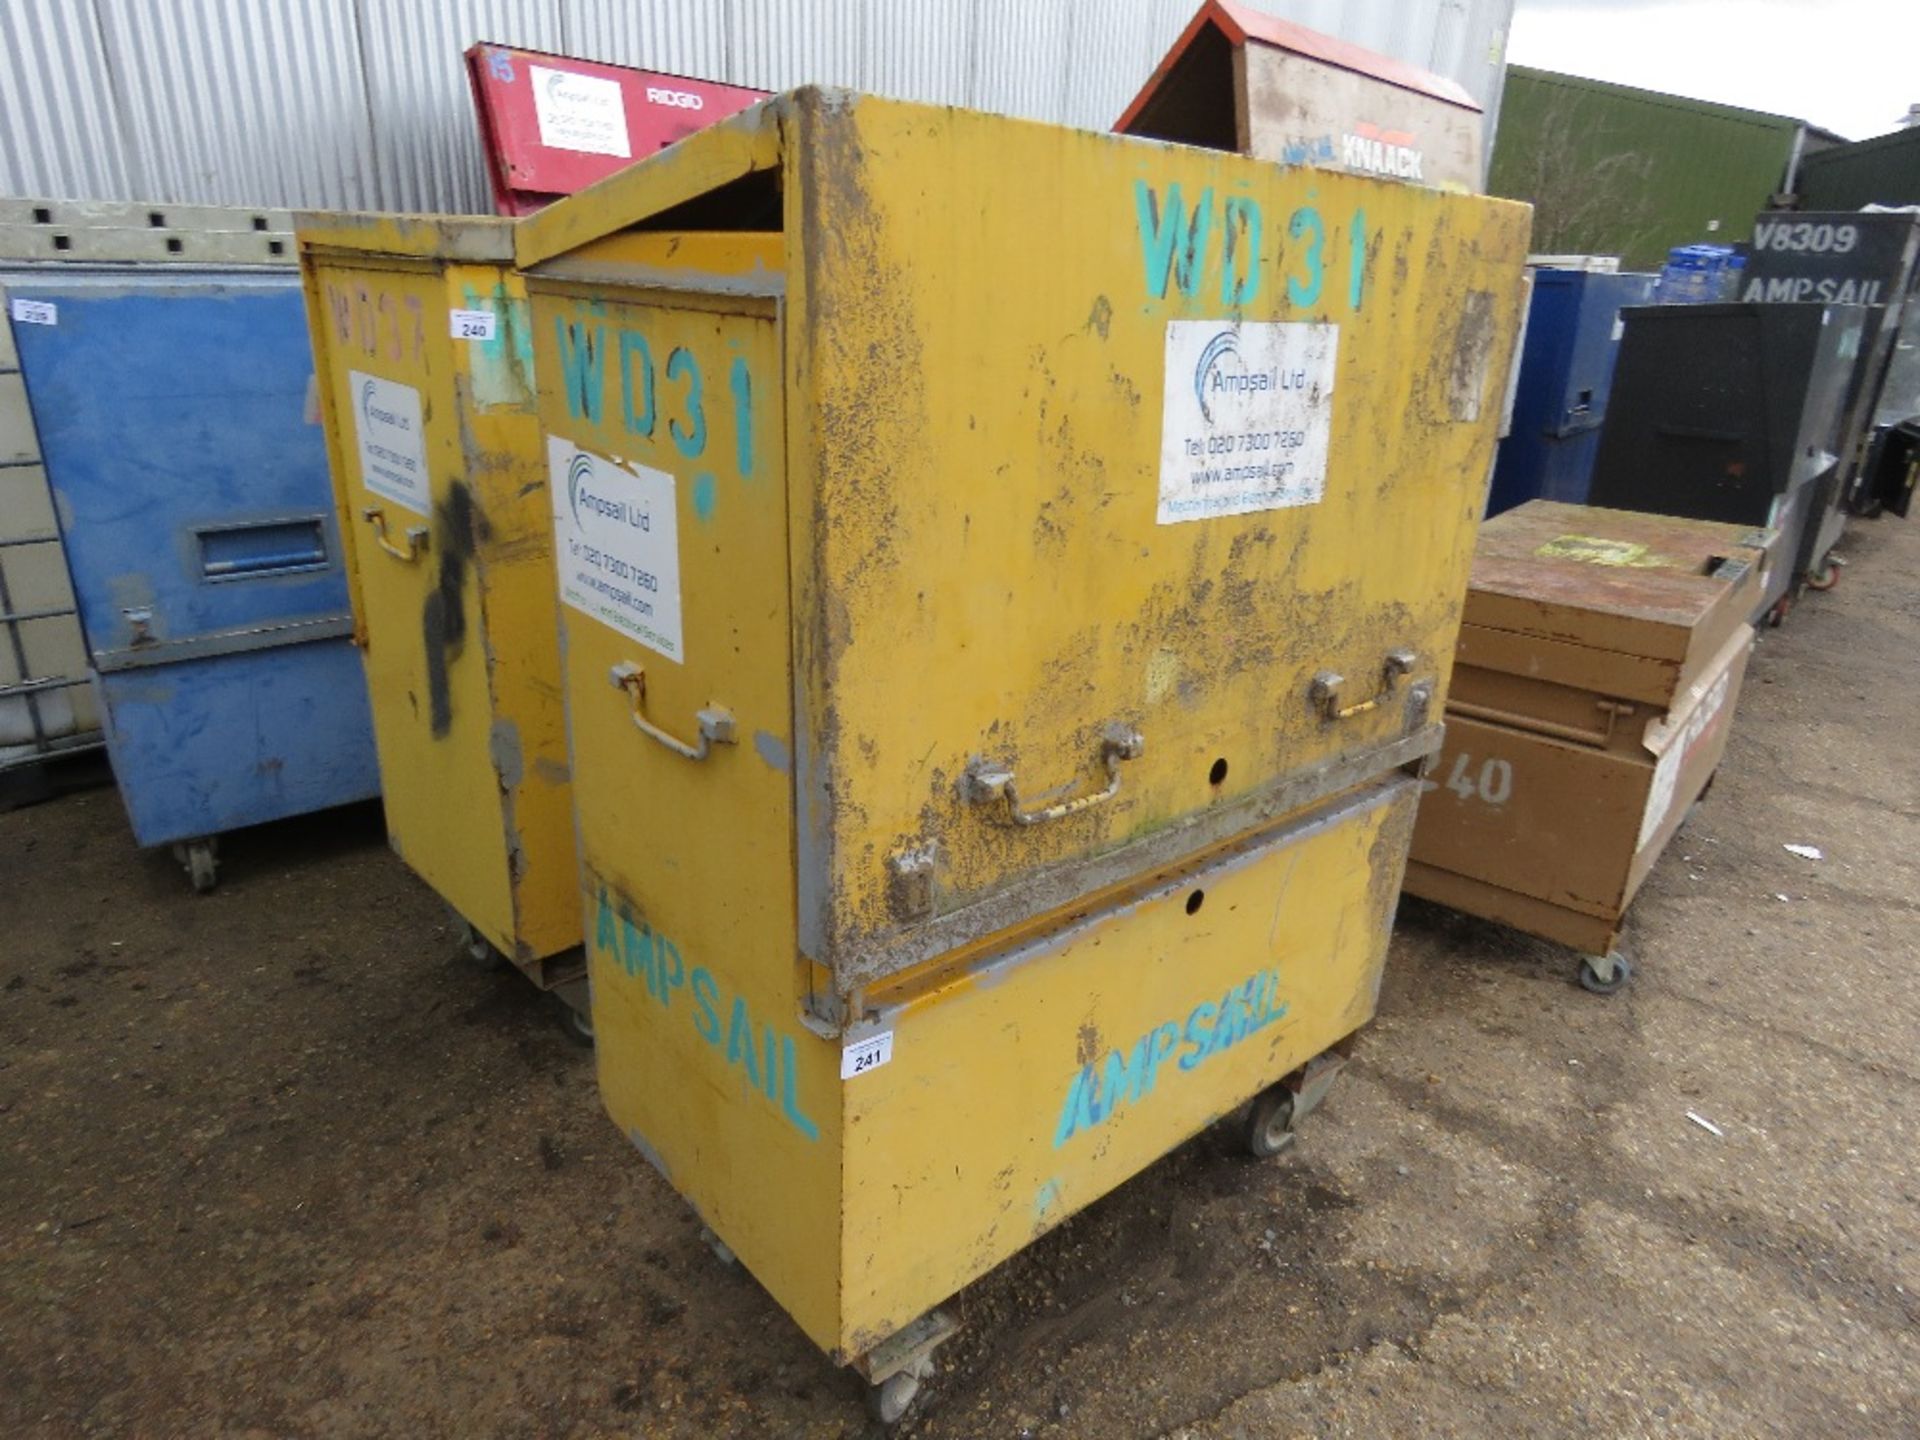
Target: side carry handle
point(1325, 691)
point(716, 721)
point(985, 783)
point(416, 536)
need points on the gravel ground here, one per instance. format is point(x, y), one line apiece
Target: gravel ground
point(276, 1163)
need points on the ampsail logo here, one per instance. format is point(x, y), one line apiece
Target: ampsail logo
point(565, 89)
point(617, 544)
point(1248, 407)
point(1802, 289)
point(374, 413)
point(1221, 373)
point(387, 429)
point(579, 112)
point(580, 470)
point(584, 490)
point(1095, 1094)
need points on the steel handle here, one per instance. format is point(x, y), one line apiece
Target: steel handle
point(1325, 691)
point(984, 784)
point(716, 721)
point(1493, 715)
point(416, 536)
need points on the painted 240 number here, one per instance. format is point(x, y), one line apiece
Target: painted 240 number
point(1492, 782)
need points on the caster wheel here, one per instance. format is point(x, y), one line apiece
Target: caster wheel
point(1825, 578)
point(1778, 613)
point(1605, 974)
point(576, 1010)
point(203, 870)
point(722, 1251)
point(1269, 1124)
point(578, 1024)
point(890, 1400)
point(477, 948)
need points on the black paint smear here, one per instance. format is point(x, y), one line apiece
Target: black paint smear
point(457, 526)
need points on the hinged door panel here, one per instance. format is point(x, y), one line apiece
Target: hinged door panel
point(413, 522)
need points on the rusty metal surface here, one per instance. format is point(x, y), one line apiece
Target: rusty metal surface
point(476, 239)
point(1040, 775)
point(1081, 611)
point(1571, 560)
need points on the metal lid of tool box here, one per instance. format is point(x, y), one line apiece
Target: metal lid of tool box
point(551, 125)
point(480, 239)
point(1240, 79)
point(1573, 579)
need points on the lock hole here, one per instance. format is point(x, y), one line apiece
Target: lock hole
point(1217, 775)
point(1195, 901)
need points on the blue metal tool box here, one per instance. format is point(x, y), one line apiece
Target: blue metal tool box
point(1566, 374)
point(176, 417)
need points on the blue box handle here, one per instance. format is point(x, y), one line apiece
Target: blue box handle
point(273, 547)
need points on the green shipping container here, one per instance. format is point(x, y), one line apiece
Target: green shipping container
point(1882, 171)
point(1611, 170)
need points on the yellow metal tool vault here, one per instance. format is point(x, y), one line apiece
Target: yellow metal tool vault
point(425, 369)
point(1003, 621)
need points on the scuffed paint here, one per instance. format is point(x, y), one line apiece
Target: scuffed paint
point(649, 1154)
point(772, 749)
point(1045, 1200)
point(460, 640)
point(502, 367)
point(458, 527)
point(503, 744)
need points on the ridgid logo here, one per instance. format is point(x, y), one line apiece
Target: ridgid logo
point(678, 99)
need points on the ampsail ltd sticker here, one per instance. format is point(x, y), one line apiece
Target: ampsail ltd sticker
point(617, 544)
point(392, 442)
point(579, 112)
point(1248, 411)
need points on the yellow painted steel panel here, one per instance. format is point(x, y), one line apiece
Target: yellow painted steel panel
point(980, 494)
point(441, 480)
point(1133, 1029)
point(688, 864)
point(874, 562)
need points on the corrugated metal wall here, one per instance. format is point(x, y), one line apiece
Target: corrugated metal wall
point(363, 104)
